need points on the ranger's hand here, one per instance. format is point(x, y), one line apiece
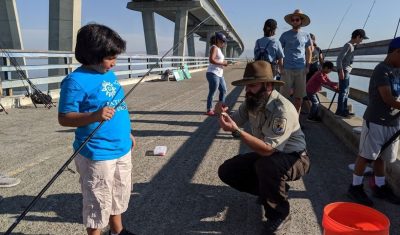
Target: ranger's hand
point(226, 122)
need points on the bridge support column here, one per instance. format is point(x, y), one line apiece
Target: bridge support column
point(190, 43)
point(209, 35)
point(150, 32)
point(11, 39)
point(64, 23)
point(223, 49)
point(181, 21)
point(229, 51)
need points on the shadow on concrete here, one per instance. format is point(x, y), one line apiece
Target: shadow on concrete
point(172, 123)
point(66, 131)
point(66, 206)
point(171, 204)
point(165, 112)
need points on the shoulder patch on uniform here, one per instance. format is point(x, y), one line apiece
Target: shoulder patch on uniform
point(279, 125)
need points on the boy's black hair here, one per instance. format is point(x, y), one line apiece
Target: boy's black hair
point(328, 65)
point(95, 42)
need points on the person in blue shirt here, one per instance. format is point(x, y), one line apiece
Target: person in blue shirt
point(269, 49)
point(297, 47)
point(88, 96)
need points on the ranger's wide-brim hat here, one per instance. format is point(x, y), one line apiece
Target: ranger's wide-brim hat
point(305, 20)
point(255, 72)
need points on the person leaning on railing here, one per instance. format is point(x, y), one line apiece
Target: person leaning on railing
point(343, 65)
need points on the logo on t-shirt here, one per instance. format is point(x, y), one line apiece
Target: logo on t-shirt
point(395, 87)
point(109, 88)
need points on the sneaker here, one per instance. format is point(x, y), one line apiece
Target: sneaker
point(386, 193)
point(210, 113)
point(349, 113)
point(276, 226)
point(357, 194)
point(123, 232)
point(6, 182)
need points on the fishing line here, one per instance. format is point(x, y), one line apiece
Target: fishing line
point(337, 29)
point(369, 13)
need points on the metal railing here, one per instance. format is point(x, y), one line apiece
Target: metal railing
point(128, 67)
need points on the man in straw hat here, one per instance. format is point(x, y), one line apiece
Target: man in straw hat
point(297, 46)
point(277, 142)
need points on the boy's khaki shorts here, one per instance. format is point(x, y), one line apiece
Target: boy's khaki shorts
point(295, 80)
point(106, 188)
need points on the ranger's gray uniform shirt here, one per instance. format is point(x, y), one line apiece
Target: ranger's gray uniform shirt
point(276, 123)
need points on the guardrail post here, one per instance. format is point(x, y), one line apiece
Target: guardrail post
point(129, 67)
point(7, 76)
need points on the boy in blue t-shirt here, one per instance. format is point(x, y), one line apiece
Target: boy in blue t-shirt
point(88, 96)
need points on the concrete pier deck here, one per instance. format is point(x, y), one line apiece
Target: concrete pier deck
point(179, 193)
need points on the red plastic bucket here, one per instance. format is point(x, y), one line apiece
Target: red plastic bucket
point(355, 219)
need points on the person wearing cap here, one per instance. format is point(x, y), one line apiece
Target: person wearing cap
point(215, 71)
point(268, 48)
point(343, 65)
point(381, 122)
point(277, 142)
point(297, 47)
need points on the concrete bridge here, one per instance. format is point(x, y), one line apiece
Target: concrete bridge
point(179, 193)
point(187, 14)
point(65, 21)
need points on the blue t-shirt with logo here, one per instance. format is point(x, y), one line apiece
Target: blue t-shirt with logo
point(88, 91)
point(294, 45)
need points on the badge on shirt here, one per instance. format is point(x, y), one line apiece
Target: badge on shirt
point(279, 125)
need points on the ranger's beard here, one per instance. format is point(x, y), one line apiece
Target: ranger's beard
point(254, 101)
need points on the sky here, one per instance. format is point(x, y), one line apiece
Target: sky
point(246, 16)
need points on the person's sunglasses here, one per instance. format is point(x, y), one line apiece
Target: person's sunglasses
point(296, 20)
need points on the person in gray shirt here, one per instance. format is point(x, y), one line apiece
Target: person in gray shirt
point(343, 66)
point(381, 123)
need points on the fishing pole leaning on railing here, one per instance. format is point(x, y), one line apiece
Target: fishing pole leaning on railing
point(65, 166)
point(37, 96)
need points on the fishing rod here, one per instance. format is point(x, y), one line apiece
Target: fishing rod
point(369, 13)
point(395, 33)
point(337, 29)
point(37, 96)
point(326, 52)
point(365, 23)
point(62, 169)
point(3, 109)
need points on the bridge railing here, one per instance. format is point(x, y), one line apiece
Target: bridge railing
point(37, 67)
